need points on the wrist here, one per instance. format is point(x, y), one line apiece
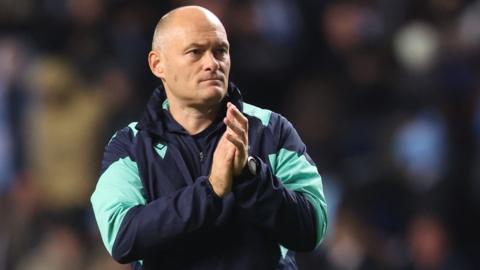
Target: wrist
point(251, 168)
point(219, 189)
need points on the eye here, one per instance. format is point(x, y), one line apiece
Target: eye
point(220, 52)
point(195, 52)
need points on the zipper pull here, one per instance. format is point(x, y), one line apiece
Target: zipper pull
point(201, 156)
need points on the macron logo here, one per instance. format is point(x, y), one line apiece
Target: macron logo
point(161, 150)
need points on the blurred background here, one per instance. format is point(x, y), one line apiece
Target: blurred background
point(385, 93)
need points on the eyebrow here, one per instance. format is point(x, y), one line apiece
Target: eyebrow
point(196, 44)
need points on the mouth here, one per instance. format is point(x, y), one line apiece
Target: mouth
point(215, 80)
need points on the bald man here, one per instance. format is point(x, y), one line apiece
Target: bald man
point(205, 180)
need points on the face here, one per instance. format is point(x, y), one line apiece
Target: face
point(194, 63)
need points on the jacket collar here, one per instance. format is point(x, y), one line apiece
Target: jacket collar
point(155, 118)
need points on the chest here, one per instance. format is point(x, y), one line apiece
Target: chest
point(168, 166)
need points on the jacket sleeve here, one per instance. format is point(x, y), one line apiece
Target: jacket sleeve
point(286, 197)
point(131, 228)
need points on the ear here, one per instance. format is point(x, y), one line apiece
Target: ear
point(155, 62)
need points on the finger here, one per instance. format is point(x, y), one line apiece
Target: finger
point(233, 110)
point(235, 128)
point(222, 142)
point(239, 144)
point(237, 115)
point(223, 139)
point(223, 146)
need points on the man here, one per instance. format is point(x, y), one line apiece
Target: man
point(204, 180)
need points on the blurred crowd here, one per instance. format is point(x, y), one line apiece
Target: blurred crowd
point(385, 94)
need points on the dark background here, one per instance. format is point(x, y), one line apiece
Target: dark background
point(384, 93)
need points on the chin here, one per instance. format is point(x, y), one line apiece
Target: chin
point(214, 94)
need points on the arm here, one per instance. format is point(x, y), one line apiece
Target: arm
point(131, 228)
point(293, 210)
point(286, 198)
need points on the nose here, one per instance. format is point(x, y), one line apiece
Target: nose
point(210, 62)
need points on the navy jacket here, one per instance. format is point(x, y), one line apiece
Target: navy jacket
point(156, 209)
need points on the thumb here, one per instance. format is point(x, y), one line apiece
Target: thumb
point(230, 155)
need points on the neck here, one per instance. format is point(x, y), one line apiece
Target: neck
point(193, 119)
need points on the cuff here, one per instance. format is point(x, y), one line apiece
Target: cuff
point(204, 182)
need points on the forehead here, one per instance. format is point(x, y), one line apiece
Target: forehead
point(185, 33)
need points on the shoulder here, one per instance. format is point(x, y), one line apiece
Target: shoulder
point(274, 121)
point(278, 129)
point(124, 135)
point(267, 117)
point(263, 115)
point(120, 145)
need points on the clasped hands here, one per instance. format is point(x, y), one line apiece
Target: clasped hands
point(230, 156)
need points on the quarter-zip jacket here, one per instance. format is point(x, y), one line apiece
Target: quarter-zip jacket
point(156, 209)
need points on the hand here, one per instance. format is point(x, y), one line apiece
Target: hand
point(237, 134)
point(222, 167)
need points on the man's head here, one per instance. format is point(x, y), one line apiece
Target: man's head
point(190, 54)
